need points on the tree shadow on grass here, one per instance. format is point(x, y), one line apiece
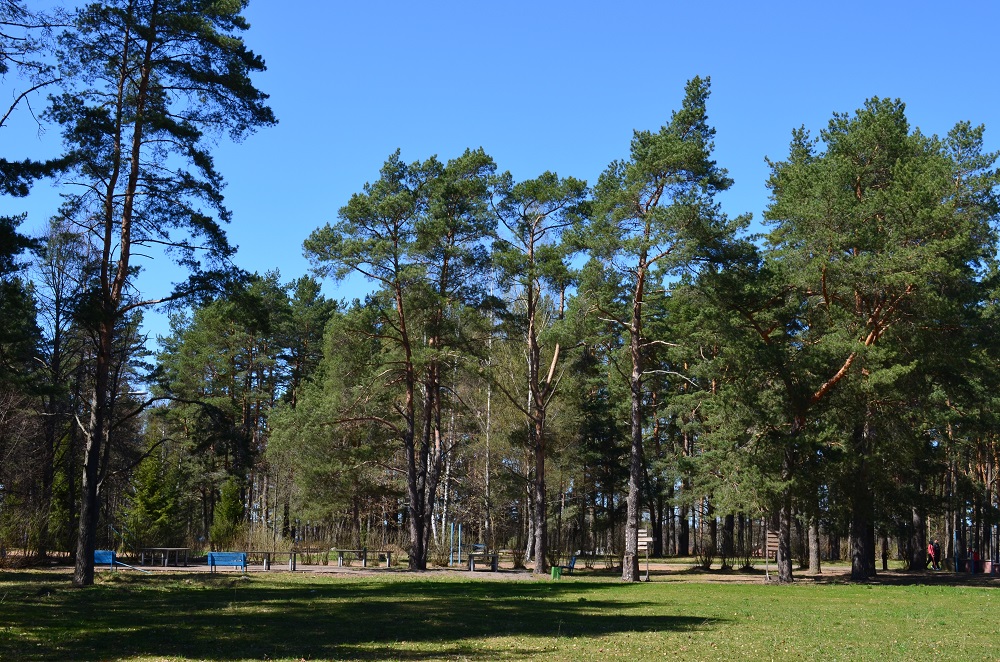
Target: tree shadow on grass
point(906, 578)
point(232, 617)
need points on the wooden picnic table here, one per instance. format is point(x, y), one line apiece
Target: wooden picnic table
point(268, 556)
point(164, 553)
point(492, 557)
point(265, 555)
point(304, 551)
point(362, 555)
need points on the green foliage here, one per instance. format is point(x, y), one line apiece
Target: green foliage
point(19, 332)
point(153, 516)
point(228, 520)
point(842, 366)
point(875, 259)
point(654, 220)
point(327, 441)
point(60, 517)
point(656, 209)
point(225, 369)
point(418, 233)
point(183, 46)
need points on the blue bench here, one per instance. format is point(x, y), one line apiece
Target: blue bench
point(569, 566)
point(105, 557)
point(235, 559)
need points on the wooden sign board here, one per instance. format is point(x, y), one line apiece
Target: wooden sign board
point(772, 544)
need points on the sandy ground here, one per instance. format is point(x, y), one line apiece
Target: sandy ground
point(658, 572)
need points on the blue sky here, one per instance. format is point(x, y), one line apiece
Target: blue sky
point(559, 86)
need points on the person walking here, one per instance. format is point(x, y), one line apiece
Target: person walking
point(936, 547)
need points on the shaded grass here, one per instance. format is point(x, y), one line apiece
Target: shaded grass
point(406, 617)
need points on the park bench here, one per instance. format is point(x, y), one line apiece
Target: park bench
point(569, 567)
point(105, 557)
point(557, 570)
point(235, 559)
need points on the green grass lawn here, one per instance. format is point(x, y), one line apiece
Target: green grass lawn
point(400, 616)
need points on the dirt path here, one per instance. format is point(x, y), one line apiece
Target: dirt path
point(658, 572)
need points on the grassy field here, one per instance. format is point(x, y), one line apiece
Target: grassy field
point(399, 616)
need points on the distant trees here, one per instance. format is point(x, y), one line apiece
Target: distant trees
point(764, 374)
point(26, 461)
point(418, 234)
point(222, 373)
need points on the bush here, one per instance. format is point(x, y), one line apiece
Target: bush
point(518, 554)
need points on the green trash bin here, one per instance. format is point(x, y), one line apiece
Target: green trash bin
point(556, 572)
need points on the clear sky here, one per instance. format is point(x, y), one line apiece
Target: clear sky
point(560, 86)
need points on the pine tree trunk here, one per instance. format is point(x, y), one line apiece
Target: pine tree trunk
point(418, 551)
point(530, 524)
point(488, 537)
point(83, 574)
point(728, 540)
point(743, 537)
point(862, 510)
point(630, 559)
point(671, 526)
point(814, 555)
point(713, 529)
point(784, 560)
point(918, 541)
point(656, 511)
point(541, 511)
point(683, 532)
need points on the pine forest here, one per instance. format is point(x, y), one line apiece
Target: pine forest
point(546, 366)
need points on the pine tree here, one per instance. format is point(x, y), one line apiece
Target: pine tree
point(883, 238)
point(654, 218)
point(143, 81)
